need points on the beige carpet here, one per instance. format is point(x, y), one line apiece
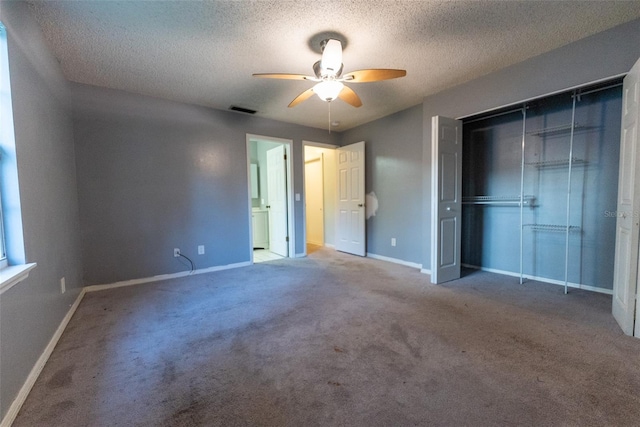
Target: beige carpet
point(336, 340)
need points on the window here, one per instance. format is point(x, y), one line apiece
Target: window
point(6, 128)
point(13, 266)
point(3, 250)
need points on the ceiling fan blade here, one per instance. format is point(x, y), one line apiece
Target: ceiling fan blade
point(284, 76)
point(350, 97)
point(302, 97)
point(373, 75)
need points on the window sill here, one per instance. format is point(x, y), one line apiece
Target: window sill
point(12, 275)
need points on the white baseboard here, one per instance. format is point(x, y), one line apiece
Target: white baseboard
point(132, 282)
point(300, 255)
point(394, 260)
point(542, 279)
point(425, 271)
point(17, 403)
point(329, 245)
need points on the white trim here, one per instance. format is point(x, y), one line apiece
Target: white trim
point(330, 245)
point(394, 260)
point(435, 232)
point(542, 279)
point(12, 275)
point(291, 230)
point(301, 255)
point(17, 403)
point(425, 271)
point(250, 204)
point(93, 288)
point(304, 186)
point(306, 143)
point(318, 144)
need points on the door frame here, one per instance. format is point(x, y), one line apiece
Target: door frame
point(306, 143)
point(318, 162)
point(291, 226)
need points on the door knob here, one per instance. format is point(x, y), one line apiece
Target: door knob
point(360, 205)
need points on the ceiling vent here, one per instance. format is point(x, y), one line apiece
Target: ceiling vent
point(242, 110)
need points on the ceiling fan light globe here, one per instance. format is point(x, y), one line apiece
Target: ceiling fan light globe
point(328, 90)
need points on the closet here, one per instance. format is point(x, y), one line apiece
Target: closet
point(539, 186)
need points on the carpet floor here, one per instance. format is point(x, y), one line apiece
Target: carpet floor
point(337, 340)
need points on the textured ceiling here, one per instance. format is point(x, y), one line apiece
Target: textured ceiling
point(204, 52)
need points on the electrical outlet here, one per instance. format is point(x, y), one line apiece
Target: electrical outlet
point(176, 252)
point(393, 241)
point(63, 286)
point(201, 250)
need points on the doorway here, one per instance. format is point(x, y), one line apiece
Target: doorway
point(319, 195)
point(271, 219)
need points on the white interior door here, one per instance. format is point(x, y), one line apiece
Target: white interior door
point(277, 203)
point(314, 199)
point(625, 276)
point(350, 227)
point(446, 206)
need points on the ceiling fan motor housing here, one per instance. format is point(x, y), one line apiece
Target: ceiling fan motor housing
point(320, 73)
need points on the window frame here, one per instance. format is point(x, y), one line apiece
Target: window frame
point(11, 243)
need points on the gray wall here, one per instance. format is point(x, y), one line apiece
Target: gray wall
point(393, 172)
point(600, 56)
point(154, 175)
point(31, 311)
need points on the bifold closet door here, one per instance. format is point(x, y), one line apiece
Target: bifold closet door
point(628, 209)
point(446, 196)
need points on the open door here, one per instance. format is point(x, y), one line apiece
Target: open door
point(625, 273)
point(350, 227)
point(446, 197)
point(277, 189)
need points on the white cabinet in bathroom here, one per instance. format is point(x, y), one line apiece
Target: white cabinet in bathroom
point(260, 222)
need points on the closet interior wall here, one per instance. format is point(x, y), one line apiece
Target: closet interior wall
point(521, 190)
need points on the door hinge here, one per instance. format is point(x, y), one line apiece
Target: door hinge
point(285, 157)
point(287, 238)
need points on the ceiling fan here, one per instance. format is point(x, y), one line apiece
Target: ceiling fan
point(330, 80)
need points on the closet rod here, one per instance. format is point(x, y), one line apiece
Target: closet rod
point(504, 113)
point(598, 89)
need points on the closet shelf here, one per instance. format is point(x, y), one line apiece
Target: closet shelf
point(552, 227)
point(557, 163)
point(498, 200)
point(557, 130)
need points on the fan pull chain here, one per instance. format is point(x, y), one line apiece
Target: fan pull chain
point(329, 116)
